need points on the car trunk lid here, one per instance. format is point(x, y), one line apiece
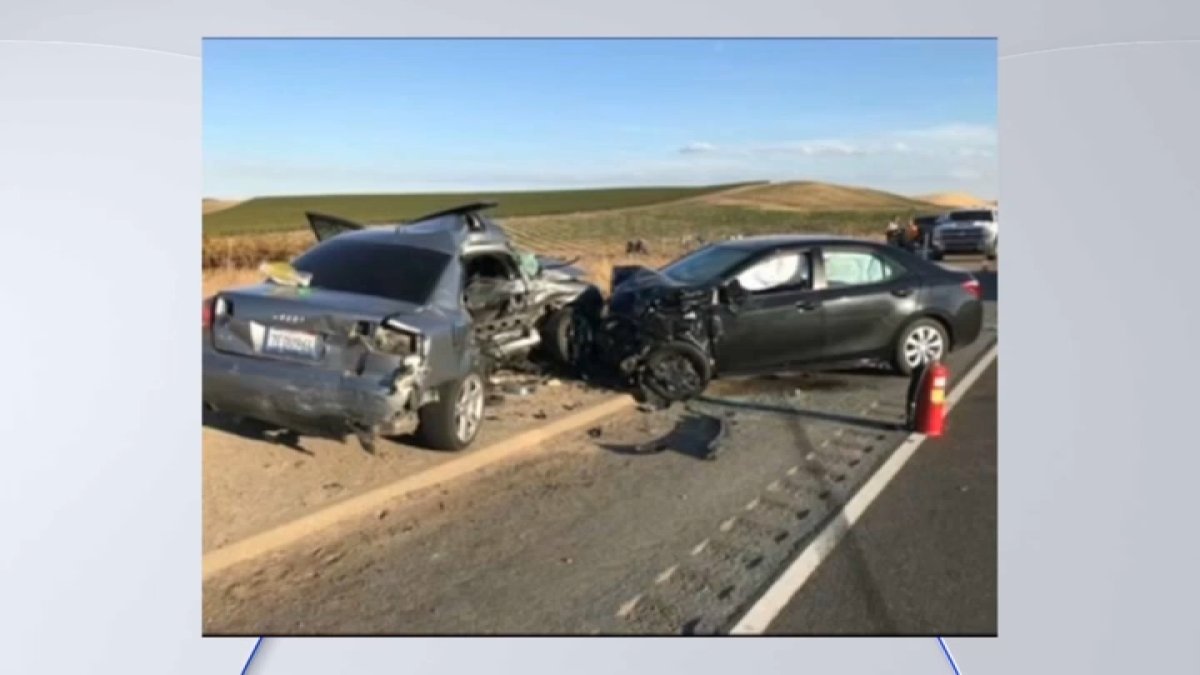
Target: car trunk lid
point(311, 327)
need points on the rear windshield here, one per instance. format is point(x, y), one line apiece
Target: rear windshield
point(372, 268)
point(971, 215)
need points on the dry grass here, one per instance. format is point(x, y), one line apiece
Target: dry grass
point(215, 280)
point(247, 252)
point(955, 200)
point(209, 205)
point(596, 241)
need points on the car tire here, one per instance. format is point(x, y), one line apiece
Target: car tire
point(922, 337)
point(936, 255)
point(556, 335)
point(687, 360)
point(453, 421)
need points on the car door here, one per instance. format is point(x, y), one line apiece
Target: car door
point(779, 318)
point(867, 296)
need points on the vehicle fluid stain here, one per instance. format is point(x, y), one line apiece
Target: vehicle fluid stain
point(781, 385)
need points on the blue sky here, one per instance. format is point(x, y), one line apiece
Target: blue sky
point(354, 116)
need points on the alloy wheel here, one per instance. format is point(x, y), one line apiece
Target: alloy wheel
point(468, 409)
point(923, 344)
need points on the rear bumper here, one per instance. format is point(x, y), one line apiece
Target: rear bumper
point(967, 325)
point(964, 243)
point(303, 399)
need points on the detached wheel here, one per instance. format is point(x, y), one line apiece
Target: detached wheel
point(453, 421)
point(920, 342)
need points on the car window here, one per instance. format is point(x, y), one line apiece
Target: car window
point(782, 270)
point(370, 268)
point(856, 268)
point(970, 216)
point(705, 265)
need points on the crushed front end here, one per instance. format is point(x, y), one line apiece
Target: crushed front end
point(656, 338)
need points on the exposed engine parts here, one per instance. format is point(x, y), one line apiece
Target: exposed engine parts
point(658, 341)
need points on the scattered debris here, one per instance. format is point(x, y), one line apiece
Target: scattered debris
point(655, 446)
point(696, 434)
point(518, 389)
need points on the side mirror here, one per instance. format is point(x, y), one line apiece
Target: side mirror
point(733, 293)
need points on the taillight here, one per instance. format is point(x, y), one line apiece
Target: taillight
point(972, 286)
point(206, 312)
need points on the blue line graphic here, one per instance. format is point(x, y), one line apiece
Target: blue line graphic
point(946, 651)
point(257, 644)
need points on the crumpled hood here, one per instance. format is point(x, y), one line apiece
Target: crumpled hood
point(555, 269)
point(635, 286)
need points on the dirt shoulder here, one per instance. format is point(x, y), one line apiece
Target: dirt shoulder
point(253, 482)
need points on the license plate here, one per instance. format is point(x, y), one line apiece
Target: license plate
point(292, 343)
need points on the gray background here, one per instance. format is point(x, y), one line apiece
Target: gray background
point(99, 415)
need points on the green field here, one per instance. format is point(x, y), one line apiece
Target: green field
point(708, 220)
point(276, 214)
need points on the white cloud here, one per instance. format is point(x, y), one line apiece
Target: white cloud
point(966, 173)
point(697, 147)
point(812, 148)
point(961, 140)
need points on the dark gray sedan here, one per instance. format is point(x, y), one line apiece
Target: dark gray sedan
point(384, 330)
point(766, 304)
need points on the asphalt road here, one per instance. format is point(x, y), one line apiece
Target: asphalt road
point(922, 559)
point(594, 537)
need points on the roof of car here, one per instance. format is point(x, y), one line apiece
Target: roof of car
point(774, 240)
point(451, 231)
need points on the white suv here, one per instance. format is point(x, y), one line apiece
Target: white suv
point(967, 231)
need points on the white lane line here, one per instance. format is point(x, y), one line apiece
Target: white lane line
point(760, 616)
point(666, 574)
point(627, 608)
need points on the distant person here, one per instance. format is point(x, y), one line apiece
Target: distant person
point(912, 234)
point(893, 230)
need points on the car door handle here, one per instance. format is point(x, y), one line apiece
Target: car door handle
point(806, 305)
point(902, 292)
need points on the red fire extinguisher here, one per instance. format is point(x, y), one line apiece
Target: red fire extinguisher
point(927, 399)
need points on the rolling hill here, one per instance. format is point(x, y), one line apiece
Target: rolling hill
point(814, 196)
point(276, 214)
point(955, 200)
